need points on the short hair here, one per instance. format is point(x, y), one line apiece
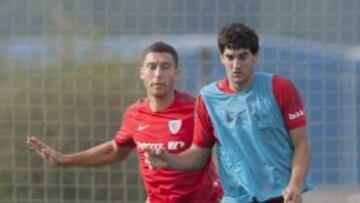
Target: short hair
point(161, 47)
point(236, 36)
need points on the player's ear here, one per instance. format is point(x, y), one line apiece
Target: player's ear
point(221, 56)
point(178, 72)
point(141, 72)
point(256, 56)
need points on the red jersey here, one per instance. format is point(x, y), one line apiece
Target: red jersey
point(172, 129)
point(287, 98)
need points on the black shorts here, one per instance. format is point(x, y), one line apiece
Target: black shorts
point(279, 199)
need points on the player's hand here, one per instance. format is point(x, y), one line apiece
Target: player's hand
point(156, 158)
point(292, 195)
point(47, 153)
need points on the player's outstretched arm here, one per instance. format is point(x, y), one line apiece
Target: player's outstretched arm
point(99, 155)
point(193, 158)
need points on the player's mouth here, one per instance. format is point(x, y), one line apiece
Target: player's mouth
point(157, 84)
point(237, 74)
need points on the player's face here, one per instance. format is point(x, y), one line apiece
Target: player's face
point(239, 65)
point(159, 74)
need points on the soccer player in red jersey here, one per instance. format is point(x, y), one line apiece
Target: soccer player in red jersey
point(163, 119)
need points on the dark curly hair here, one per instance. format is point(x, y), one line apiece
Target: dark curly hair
point(236, 36)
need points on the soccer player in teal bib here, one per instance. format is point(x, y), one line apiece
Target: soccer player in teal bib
point(257, 122)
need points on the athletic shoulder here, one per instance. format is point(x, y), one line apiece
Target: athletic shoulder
point(184, 96)
point(138, 105)
point(280, 81)
point(283, 87)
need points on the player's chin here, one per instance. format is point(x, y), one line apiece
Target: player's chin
point(238, 79)
point(159, 93)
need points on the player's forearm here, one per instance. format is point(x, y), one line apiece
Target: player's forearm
point(97, 156)
point(189, 160)
point(301, 163)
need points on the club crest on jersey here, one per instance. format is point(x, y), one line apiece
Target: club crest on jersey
point(174, 126)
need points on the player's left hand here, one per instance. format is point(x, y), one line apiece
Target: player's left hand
point(292, 194)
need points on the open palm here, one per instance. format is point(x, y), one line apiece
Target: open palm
point(46, 152)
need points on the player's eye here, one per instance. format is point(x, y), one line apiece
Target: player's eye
point(243, 56)
point(151, 66)
point(230, 57)
point(165, 67)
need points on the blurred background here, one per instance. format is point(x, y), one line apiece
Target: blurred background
point(68, 69)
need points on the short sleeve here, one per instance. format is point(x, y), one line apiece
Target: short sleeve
point(290, 102)
point(123, 137)
point(203, 130)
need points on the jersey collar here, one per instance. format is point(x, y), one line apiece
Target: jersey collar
point(223, 85)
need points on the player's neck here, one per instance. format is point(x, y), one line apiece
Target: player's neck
point(240, 86)
point(161, 103)
point(237, 87)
